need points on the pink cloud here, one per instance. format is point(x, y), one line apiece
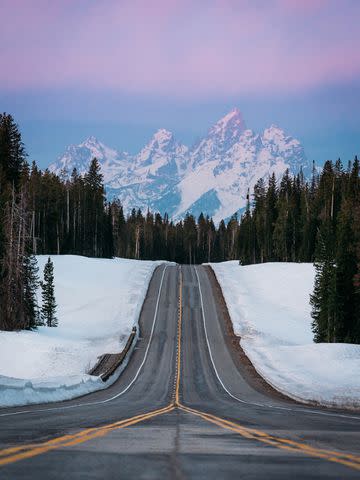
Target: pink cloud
point(180, 48)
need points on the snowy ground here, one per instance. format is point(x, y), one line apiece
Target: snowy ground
point(269, 308)
point(99, 301)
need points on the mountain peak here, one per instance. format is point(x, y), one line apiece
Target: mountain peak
point(274, 133)
point(230, 126)
point(90, 141)
point(234, 117)
point(234, 113)
point(162, 135)
point(274, 128)
point(159, 146)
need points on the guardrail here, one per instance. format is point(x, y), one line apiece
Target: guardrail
point(110, 362)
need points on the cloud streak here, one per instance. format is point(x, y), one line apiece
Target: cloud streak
point(181, 48)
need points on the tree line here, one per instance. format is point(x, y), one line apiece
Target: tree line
point(291, 219)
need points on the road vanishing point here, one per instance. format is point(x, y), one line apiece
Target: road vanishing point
point(187, 406)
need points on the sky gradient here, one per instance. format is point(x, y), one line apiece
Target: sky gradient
point(121, 69)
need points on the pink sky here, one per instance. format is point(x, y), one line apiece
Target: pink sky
point(184, 48)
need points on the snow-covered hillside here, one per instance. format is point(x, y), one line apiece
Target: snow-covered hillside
point(270, 311)
point(213, 176)
point(99, 301)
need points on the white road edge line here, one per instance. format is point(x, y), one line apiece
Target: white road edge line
point(65, 407)
point(313, 412)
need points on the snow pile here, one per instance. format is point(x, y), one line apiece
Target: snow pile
point(99, 301)
point(14, 391)
point(269, 308)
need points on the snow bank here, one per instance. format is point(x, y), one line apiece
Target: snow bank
point(14, 391)
point(269, 308)
point(99, 301)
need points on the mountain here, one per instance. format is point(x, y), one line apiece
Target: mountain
point(80, 156)
point(211, 177)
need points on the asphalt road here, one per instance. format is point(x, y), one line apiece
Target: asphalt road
point(186, 406)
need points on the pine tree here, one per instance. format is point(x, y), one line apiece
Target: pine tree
point(322, 299)
point(12, 151)
point(48, 309)
point(270, 217)
point(247, 236)
point(31, 283)
point(283, 225)
point(259, 217)
point(346, 268)
point(94, 210)
point(201, 242)
point(190, 237)
point(12, 284)
point(107, 235)
point(13, 224)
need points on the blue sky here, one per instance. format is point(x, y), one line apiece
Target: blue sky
point(325, 120)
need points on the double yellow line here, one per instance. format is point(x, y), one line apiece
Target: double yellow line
point(178, 351)
point(22, 452)
point(348, 460)
point(10, 455)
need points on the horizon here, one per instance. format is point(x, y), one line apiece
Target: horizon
point(318, 145)
point(236, 110)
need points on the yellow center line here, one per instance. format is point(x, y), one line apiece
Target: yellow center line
point(178, 356)
point(346, 459)
point(14, 454)
point(82, 433)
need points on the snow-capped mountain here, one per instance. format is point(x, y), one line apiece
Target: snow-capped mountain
point(80, 156)
point(220, 138)
point(211, 177)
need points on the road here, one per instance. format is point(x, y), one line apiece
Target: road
point(185, 407)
